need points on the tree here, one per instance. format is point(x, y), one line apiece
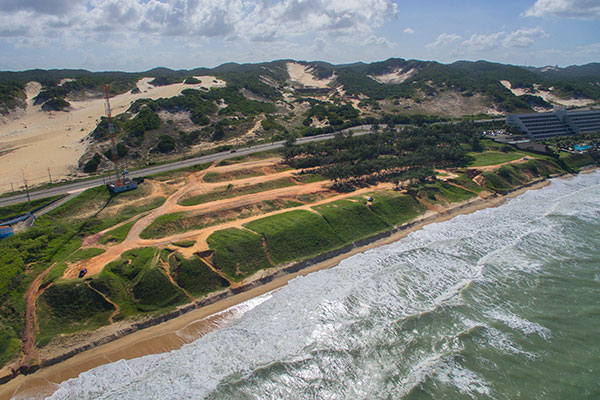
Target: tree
point(166, 144)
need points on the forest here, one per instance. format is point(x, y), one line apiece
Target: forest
point(389, 156)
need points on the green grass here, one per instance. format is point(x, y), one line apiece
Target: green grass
point(396, 209)
point(442, 192)
point(351, 220)
point(508, 177)
point(195, 276)
point(22, 208)
point(55, 273)
point(250, 157)
point(493, 158)
point(576, 161)
point(90, 200)
point(496, 183)
point(154, 291)
point(453, 194)
point(84, 254)
point(10, 345)
point(464, 180)
point(70, 306)
point(238, 253)
point(235, 191)
point(170, 224)
point(213, 177)
point(147, 288)
point(295, 235)
point(117, 235)
point(184, 243)
point(310, 178)
point(164, 225)
point(168, 175)
point(116, 289)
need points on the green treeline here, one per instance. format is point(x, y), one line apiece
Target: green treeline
point(386, 155)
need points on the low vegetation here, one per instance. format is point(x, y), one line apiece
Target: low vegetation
point(238, 253)
point(195, 276)
point(295, 235)
point(231, 191)
point(170, 224)
point(23, 208)
point(493, 158)
point(352, 219)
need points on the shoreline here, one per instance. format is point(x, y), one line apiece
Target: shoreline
point(168, 331)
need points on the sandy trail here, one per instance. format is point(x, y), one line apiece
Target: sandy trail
point(496, 166)
point(37, 140)
point(31, 296)
point(96, 265)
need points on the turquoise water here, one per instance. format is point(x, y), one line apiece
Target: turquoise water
point(500, 304)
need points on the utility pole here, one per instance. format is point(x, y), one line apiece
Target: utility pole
point(50, 176)
point(12, 188)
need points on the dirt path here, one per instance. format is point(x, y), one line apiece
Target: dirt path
point(167, 268)
point(31, 325)
point(232, 284)
point(115, 305)
point(195, 184)
point(496, 166)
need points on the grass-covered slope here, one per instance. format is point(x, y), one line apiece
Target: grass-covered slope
point(396, 209)
point(70, 306)
point(295, 235)
point(195, 276)
point(352, 219)
point(238, 253)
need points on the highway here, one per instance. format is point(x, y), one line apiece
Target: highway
point(70, 188)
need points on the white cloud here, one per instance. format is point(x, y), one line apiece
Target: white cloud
point(410, 31)
point(377, 41)
point(244, 19)
point(444, 39)
point(523, 37)
point(582, 9)
point(54, 7)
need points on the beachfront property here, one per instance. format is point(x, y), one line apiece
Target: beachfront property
point(556, 123)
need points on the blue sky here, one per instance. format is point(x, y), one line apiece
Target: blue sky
point(136, 35)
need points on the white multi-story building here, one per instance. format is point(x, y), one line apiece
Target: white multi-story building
point(556, 123)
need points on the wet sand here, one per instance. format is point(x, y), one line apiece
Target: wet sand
point(186, 328)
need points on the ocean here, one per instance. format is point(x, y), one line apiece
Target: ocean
point(500, 304)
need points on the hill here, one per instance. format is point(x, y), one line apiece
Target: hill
point(163, 113)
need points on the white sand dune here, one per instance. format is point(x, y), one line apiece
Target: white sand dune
point(303, 74)
point(34, 140)
point(396, 76)
point(548, 96)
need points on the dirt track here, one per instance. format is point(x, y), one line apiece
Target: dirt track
point(196, 185)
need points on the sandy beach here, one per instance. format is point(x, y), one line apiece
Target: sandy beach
point(36, 144)
point(190, 326)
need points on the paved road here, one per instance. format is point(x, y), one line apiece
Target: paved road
point(82, 185)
